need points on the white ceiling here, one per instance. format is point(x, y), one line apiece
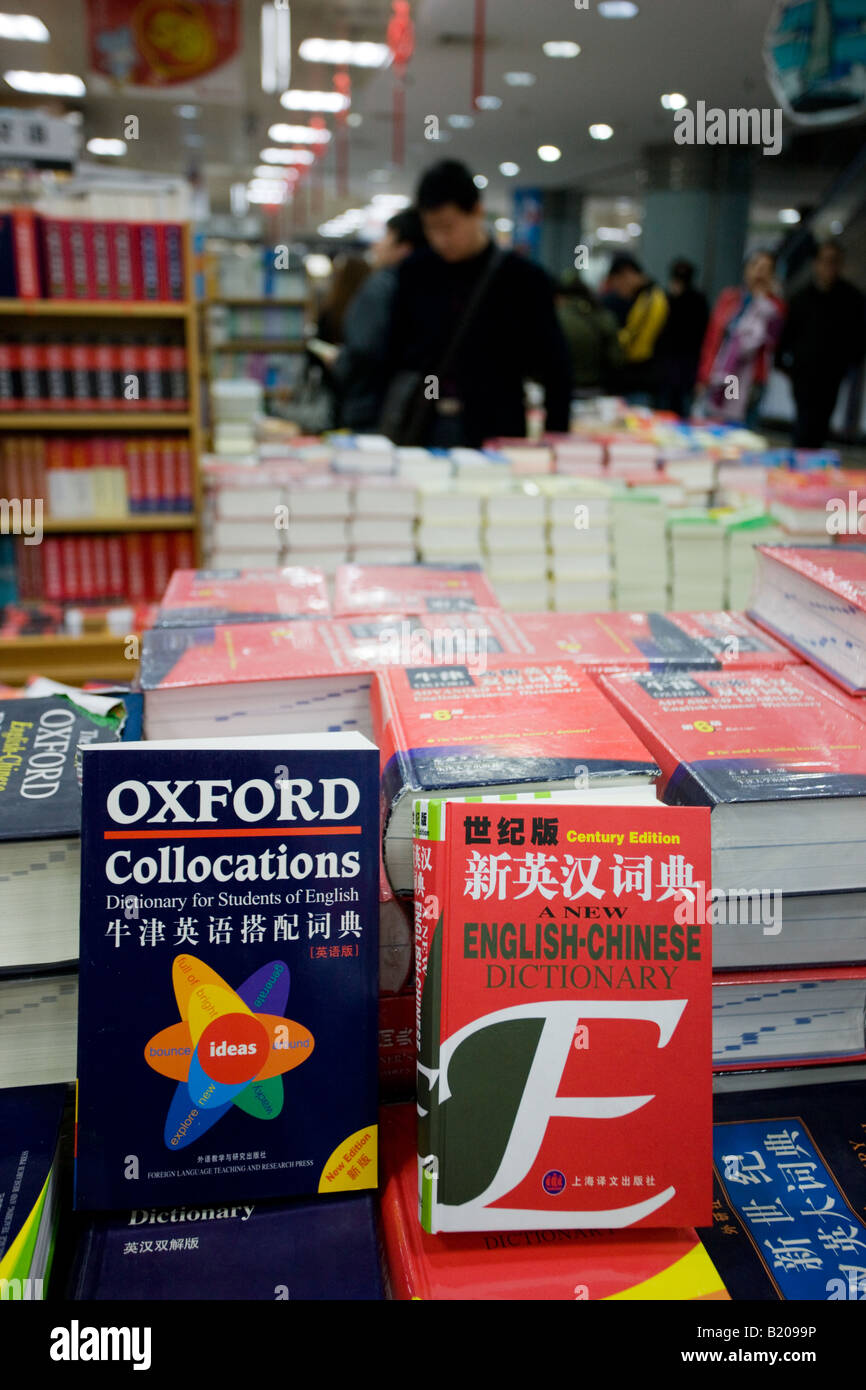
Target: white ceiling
point(709, 49)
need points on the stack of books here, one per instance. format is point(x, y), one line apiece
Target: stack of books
point(235, 406)
point(639, 533)
point(697, 553)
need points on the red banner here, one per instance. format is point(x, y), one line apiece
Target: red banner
point(183, 46)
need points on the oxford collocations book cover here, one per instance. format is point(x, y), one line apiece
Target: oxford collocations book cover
point(229, 957)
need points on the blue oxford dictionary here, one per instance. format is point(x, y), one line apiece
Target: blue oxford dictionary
point(227, 1043)
point(306, 1249)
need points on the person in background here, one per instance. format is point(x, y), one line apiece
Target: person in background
point(360, 367)
point(679, 346)
point(823, 338)
point(466, 394)
point(642, 308)
point(739, 343)
point(350, 272)
point(592, 335)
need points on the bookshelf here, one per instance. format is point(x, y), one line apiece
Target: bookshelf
point(102, 655)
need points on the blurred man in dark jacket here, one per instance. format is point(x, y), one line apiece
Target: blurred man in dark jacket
point(823, 338)
point(511, 334)
point(359, 371)
point(678, 350)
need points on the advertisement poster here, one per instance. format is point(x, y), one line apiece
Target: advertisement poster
point(185, 48)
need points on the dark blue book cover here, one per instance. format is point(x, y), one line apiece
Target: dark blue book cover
point(40, 795)
point(789, 1201)
point(30, 1118)
point(227, 1040)
point(306, 1249)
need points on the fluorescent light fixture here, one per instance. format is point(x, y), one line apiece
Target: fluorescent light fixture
point(617, 9)
point(99, 146)
point(634, 229)
point(612, 234)
point(316, 265)
point(549, 153)
point(509, 169)
point(276, 59)
point(461, 122)
point(488, 103)
point(345, 53)
point(187, 112)
point(790, 216)
point(50, 84)
point(519, 79)
point(674, 101)
point(297, 100)
point(266, 193)
point(275, 156)
point(268, 171)
point(481, 180)
point(298, 134)
point(560, 48)
point(393, 201)
point(601, 131)
point(23, 26)
point(504, 224)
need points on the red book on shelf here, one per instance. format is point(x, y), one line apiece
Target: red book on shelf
point(137, 575)
point(146, 250)
point(57, 380)
point(100, 567)
point(30, 366)
point(151, 356)
point(175, 374)
point(8, 355)
point(531, 1265)
point(69, 569)
point(76, 233)
point(117, 567)
point(160, 564)
point(101, 259)
point(102, 366)
point(184, 475)
point(128, 451)
point(184, 551)
point(123, 280)
point(129, 369)
point(410, 589)
point(173, 252)
point(79, 358)
point(169, 500)
point(86, 574)
point(25, 241)
point(54, 259)
point(148, 449)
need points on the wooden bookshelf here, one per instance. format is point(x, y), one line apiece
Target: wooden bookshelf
point(108, 420)
point(95, 308)
point(74, 660)
point(137, 521)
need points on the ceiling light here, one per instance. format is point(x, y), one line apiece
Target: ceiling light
point(271, 193)
point(634, 229)
point(601, 131)
point(461, 122)
point(836, 227)
point(74, 118)
point(187, 112)
point(52, 84)
point(390, 200)
point(268, 171)
point(276, 47)
point(509, 169)
point(790, 216)
point(549, 153)
point(297, 100)
point(612, 234)
point(504, 224)
point(520, 79)
point(275, 156)
point(354, 119)
point(317, 265)
point(674, 101)
point(560, 48)
point(299, 134)
point(617, 9)
point(488, 103)
point(345, 53)
point(100, 146)
point(23, 26)
point(480, 180)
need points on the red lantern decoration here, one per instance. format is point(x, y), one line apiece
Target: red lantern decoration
point(401, 41)
point(478, 42)
point(343, 85)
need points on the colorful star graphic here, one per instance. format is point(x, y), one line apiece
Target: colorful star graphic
point(226, 1050)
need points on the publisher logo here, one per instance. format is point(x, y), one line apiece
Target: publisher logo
point(553, 1182)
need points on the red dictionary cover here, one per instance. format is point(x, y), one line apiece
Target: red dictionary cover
point(410, 589)
point(537, 1265)
point(648, 641)
point(788, 1018)
point(76, 233)
point(564, 1044)
point(727, 736)
point(27, 280)
point(298, 647)
point(202, 597)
